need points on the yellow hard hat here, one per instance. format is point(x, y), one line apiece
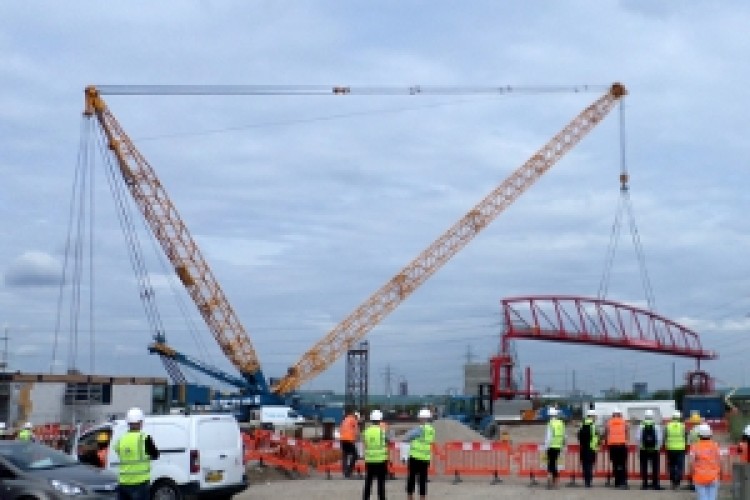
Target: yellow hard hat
point(102, 437)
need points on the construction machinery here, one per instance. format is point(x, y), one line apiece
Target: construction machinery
point(196, 276)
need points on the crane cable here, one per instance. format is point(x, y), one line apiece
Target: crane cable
point(625, 209)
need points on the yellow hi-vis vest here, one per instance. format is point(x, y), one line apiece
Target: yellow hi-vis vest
point(675, 439)
point(558, 433)
point(376, 449)
point(25, 435)
point(594, 441)
point(421, 447)
point(135, 464)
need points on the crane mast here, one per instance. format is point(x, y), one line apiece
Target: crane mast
point(179, 247)
point(372, 311)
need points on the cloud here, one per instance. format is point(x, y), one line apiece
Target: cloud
point(34, 269)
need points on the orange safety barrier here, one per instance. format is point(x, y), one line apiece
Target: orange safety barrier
point(531, 461)
point(478, 459)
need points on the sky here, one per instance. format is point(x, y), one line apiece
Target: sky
point(303, 206)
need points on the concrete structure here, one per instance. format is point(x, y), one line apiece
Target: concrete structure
point(68, 399)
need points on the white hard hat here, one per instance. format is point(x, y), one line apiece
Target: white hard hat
point(552, 412)
point(676, 414)
point(616, 411)
point(746, 432)
point(134, 416)
point(376, 415)
point(424, 413)
point(27, 425)
point(649, 413)
point(704, 430)
point(591, 412)
point(356, 415)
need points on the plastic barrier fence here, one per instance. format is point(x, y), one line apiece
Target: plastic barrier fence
point(478, 459)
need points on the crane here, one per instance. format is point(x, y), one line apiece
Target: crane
point(193, 271)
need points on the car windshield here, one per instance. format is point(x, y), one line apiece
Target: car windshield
point(34, 456)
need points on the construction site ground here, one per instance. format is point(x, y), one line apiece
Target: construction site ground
point(271, 483)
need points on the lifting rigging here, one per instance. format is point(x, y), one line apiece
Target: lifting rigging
point(193, 271)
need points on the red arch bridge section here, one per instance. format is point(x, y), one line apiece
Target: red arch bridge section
point(590, 321)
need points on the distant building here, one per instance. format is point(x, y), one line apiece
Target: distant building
point(76, 398)
point(640, 390)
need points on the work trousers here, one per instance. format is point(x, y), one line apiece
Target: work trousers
point(649, 459)
point(417, 472)
point(378, 472)
point(133, 491)
point(588, 459)
point(552, 455)
point(618, 455)
point(676, 466)
point(348, 457)
point(707, 491)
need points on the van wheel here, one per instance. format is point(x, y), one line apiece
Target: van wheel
point(165, 490)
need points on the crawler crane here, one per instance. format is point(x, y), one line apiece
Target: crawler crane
point(194, 273)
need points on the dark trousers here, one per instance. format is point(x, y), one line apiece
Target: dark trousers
point(348, 457)
point(552, 456)
point(588, 459)
point(417, 472)
point(676, 465)
point(377, 471)
point(618, 455)
point(649, 459)
point(133, 492)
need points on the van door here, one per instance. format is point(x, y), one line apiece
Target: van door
point(219, 445)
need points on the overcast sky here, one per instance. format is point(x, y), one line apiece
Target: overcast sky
point(304, 206)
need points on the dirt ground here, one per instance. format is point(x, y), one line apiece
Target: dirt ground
point(472, 489)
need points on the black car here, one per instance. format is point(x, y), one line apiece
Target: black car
point(32, 470)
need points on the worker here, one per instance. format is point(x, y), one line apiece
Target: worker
point(675, 442)
point(617, 436)
point(744, 446)
point(102, 449)
point(135, 449)
point(26, 433)
point(375, 442)
point(348, 436)
point(705, 460)
point(554, 440)
point(588, 440)
point(420, 454)
point(649, 440)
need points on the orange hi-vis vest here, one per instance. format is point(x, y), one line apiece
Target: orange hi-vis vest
point(744, 451)
point(617, 431)
point(348, 430)
point(706, 464)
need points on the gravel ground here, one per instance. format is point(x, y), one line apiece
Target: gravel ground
point(321, 489)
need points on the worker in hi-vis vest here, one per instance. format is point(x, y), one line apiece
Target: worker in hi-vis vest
point(649, 440)
point(348, 436)
point(135, 449)
point(420, 441)
point(375, 442)
point(675, 442)
point(617, 436)
point(705, 460)
point(26, 433)
point(554, 441)
point(588, 445)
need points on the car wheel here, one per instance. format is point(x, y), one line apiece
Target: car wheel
point(165, 490)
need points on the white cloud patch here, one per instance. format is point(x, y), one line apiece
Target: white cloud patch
point(34, 269)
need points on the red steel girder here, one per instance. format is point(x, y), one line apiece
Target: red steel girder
point(599, 322)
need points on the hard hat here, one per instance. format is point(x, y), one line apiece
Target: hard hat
point(27, 425)
point(704, 430)
point(746, 432)
point(552, 412)
point(102, 437)
point(649, 413)
point(424, 413)
point(591, 412)
point(356, 415)
point(376, 415)
point(616, 411)
point(677, 414)
point(134, 416)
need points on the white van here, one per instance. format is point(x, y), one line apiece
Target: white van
point(276, 417)
point(199, 455)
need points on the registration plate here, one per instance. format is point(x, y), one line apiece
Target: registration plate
point(214, 476)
